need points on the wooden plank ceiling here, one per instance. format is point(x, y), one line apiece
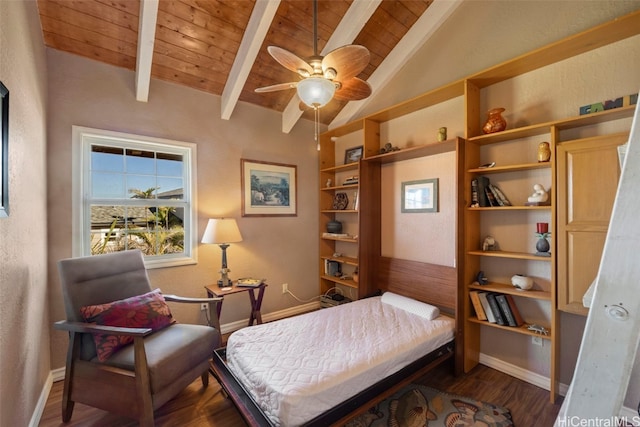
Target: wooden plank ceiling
point(196, 41)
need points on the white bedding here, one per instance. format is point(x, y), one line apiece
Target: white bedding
point(300, 367)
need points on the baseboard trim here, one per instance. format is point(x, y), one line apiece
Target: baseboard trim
point(287, 312)
point(42, 401)
point(543, 382)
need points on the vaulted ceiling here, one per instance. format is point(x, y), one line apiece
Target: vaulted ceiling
point(220, 46)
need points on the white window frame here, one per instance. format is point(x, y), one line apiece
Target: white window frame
point(83, 138)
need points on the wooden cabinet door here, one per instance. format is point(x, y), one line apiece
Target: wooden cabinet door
point(587, 180)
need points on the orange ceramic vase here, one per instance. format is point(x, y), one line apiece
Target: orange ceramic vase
point(495, 121)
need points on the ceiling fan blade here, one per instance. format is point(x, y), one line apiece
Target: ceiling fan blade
point(353, 90)
point(280, 86)
point(348, 61)
point(289, 61)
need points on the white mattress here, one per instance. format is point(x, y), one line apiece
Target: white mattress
point(300, 367)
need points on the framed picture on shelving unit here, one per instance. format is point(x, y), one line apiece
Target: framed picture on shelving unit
point(352, 155)
point(4, 151)
point(420, 196)
point(268, 189)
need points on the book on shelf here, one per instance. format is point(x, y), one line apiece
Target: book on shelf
point(356, 201)
point(490, 196)
point(486, 307)
point(351, 180)
point(495, 308)
point(514, 310)
point(499, 195)
point(477, 305)
point(332, 268)
point(506, 310)
point(474, 193)
point(483, 182)
point(334, 234)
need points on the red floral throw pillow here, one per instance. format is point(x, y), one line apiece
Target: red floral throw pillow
point(142, 311)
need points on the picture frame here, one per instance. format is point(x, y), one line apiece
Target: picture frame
point(268, 189)
point(420, 196)
point(4, 151)
point(352, 155)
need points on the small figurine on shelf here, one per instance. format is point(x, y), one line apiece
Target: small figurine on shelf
point(329, 182)
point(542, 246)
point(481, 278)
point(442, 134)
point(388, 148)
point(544, 152)
point(489, 244)
point(539, 197)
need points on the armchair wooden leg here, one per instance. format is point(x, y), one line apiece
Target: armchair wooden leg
point(72, 354)
point(145, 403)
point(205, 379)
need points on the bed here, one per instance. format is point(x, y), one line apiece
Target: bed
point(292, 372)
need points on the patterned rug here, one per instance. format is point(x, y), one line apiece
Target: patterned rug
point(420, 406)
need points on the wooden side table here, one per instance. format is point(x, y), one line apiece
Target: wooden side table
point(256, 302)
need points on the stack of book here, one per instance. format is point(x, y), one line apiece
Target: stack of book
point(484, 194)
point(350, 180)
point(496, 308)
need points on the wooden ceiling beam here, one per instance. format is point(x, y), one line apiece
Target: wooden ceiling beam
point(348, 29)
point(257, 27)
point(146, 39)
point(425, 26)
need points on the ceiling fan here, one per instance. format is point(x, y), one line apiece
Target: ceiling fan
point(324, 78)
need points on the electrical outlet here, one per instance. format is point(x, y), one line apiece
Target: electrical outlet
point(536, 341)
point(204, 306)
point(285, 288)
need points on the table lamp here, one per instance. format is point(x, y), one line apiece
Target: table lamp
point(222, 231)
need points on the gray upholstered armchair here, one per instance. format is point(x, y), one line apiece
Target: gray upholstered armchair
point(127, 370)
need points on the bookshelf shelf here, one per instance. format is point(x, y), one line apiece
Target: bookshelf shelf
point(507, 254)
point(510, 168)
point(340, 187)
point(509, 289)
point(518, 329)
point(511, 208)
point(349, 283)
point(342, 259)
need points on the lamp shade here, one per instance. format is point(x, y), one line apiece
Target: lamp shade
point(316, 91)
point(222, 230)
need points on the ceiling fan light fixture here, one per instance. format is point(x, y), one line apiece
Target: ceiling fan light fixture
point(316, 92)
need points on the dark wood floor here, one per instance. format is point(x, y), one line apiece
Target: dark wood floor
point(196, 406)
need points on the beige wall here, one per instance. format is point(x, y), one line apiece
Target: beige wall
point(87, 93)
point(24, 306)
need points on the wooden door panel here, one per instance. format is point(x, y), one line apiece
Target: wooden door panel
point(584, 250)
point(587, 180)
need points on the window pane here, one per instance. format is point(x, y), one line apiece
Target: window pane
point(170, 188)
point(141, 187)
point(169, 164)
point(141, 162)
point(107, 159)
point(107, 185)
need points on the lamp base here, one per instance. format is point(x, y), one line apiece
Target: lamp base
point(222, 284)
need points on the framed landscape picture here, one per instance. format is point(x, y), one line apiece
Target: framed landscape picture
point(352, 155)
point(268, 189)
point(420, 196)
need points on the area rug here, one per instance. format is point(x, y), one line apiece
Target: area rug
point(419, 406)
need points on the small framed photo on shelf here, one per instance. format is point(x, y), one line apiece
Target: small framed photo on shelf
point(420, 196)
point(352, 155)
point(268, 189)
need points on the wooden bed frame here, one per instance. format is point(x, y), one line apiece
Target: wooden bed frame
point(433, 284)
